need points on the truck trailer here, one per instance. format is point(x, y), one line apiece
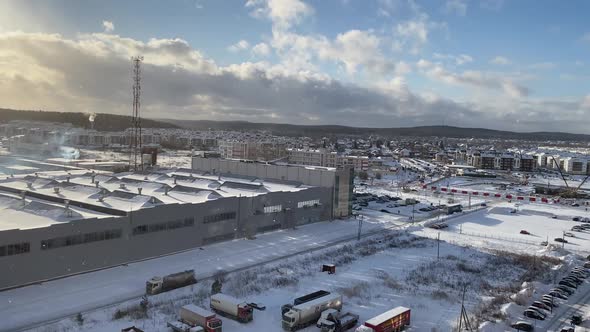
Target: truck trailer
point(192, 318)
point(158, 285)
point(393, 320)
point(332, 320)
point(307, 313)
point(303, 299)
point(226, 305)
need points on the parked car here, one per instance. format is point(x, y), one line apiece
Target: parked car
point(558, 239)
point(569, 234)
point(567, 329)
point(533, 314)
point(564, 289)
point(540, 305)
point(483, 204)
point(550, 303)
point(587, 265)
point(522, 326)
point(577, 229)
point(576, 218)
point(257, 306)
point(575, 204)
point(384, 211)
point(525, 232)
point(558, 295)
point(568, 284)
point(365, 204)
point(553, 217)
point(576, 320)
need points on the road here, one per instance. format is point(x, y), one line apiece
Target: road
point(38, 305)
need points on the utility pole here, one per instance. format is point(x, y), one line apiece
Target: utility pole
point(438, 247)
point(413, 209)
point(358, 237)
point(470, 200)
point(563, 238)
point(463, 318)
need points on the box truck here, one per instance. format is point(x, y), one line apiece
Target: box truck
point(332, 320)
point(192, 318)
point(158, 285)
point(393, 320)
point(303, 299)
point(226, 305)
point(308, 313)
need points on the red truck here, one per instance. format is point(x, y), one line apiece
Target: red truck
point(393, 320)
point(196, 319)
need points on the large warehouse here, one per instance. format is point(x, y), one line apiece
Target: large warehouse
point(59, 223)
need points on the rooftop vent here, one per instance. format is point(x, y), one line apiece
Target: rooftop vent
point(68, 179)
point(56, 190)
point(96, 183)
point(122, 186)
point(145, 178)
point(30, 185)
point(139, 190)
point(92, 178)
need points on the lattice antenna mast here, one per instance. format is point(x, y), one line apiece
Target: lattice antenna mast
point(135, 143)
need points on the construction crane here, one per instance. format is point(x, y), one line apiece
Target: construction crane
point(569, 192)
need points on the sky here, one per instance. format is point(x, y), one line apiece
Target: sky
point(502, 64)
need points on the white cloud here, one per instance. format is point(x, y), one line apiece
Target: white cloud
point(586, 102)
point(456, 59)
point(91, 72)
point(261, 49)
point(412, 35)
point(494, 5)
point(283, 13)
point(500, 60)
point(473, 78)
point(542, 66)
point(586, 37)
point(458, 7)
point(108, 26)
point(239, 46)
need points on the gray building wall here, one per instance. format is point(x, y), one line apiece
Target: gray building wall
point(41, 264)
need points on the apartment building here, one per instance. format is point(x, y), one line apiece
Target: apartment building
point(252, 150)
point(322, 157)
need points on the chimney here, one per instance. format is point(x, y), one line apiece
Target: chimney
point(96, 183)
point(56, 190)
point(92, 177)
point(68, 179)
point(139, 190)
point(174, 180)
point(145, 178)
point(30, 185)
point(166, 190)
point(101, 198)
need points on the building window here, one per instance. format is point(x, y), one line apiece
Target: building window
point(15, 249)
point(273, 209)
point(219, 217)
point(313, 202)
point(72, 240)
point(163, 226)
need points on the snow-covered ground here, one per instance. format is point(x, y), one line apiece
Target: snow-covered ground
point(166, 159)
point(483, 249)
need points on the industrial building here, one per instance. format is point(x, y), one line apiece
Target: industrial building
point(62, 222)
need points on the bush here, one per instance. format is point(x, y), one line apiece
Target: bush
point(378, 176)
point(79, 319)
point(363, 175)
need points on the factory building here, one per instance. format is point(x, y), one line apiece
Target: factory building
point(59, 223)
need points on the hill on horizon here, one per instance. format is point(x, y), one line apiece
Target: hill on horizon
point(421, 131)
point(102, 122)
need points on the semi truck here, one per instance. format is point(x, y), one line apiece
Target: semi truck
point(307, 313)
point(229, 306)
point(196, 319)
point(393, 320)
point(332, 320)
point(303, 299)
point(158, 285)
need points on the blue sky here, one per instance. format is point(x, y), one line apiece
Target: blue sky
point(517, 65)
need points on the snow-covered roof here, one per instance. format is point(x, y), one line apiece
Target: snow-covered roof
point(375, 321)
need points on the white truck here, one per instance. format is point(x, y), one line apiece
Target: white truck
point(196, 319)
point(158, 285)
point(305, 314)
point(226, 305)
point(332, 320)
